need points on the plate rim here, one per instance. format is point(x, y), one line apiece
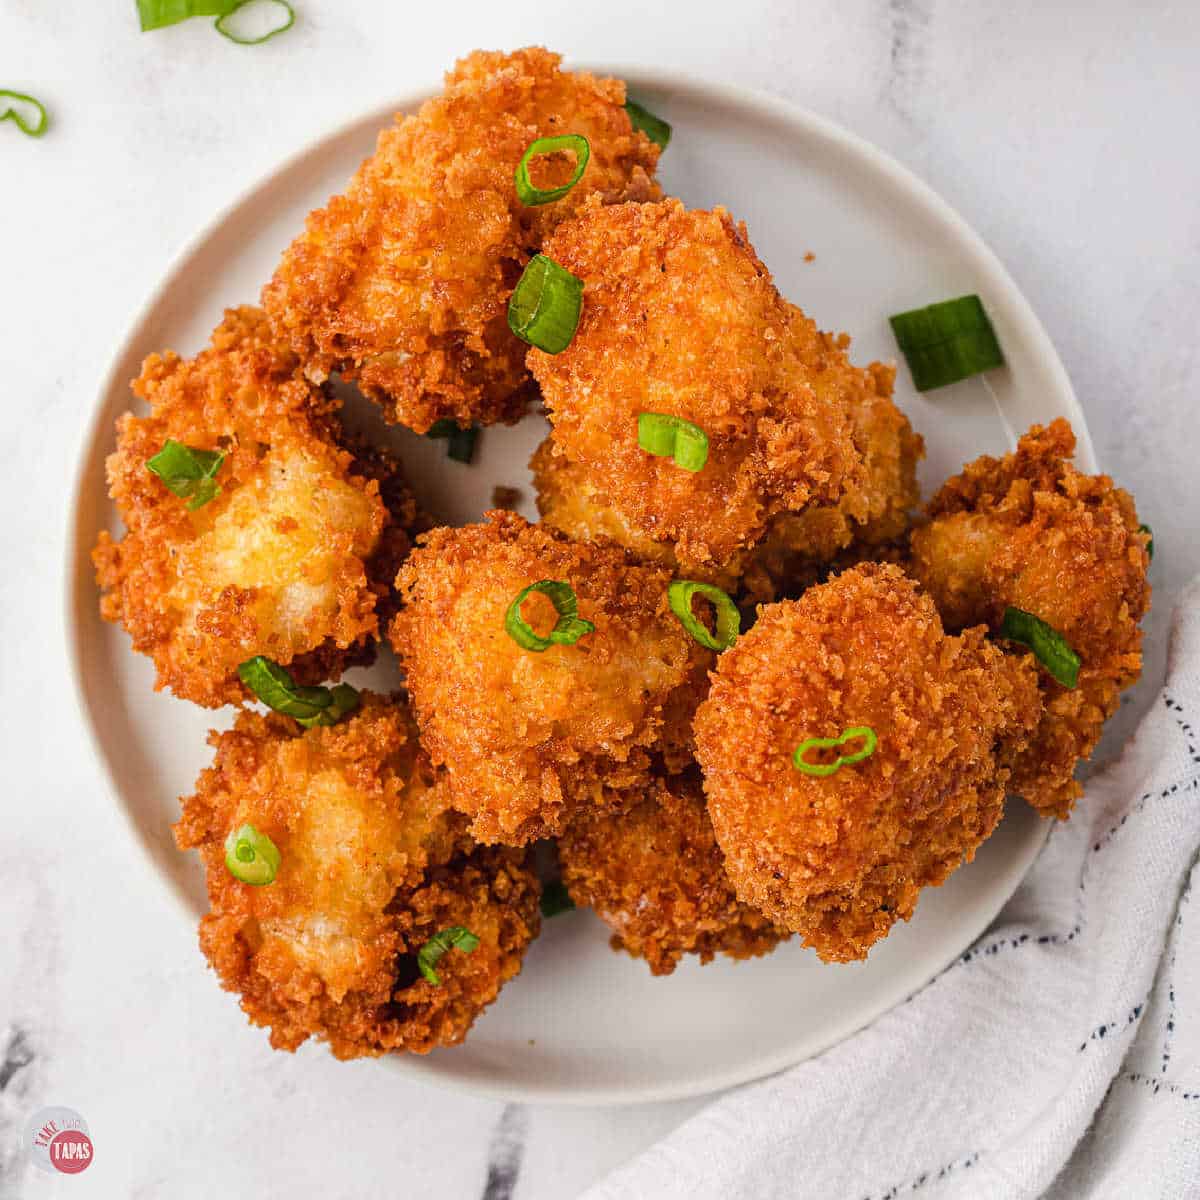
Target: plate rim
point(78, 590)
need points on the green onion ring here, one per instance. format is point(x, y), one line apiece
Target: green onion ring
point(251, 856)
point(15, 116)
point(870, 741)
point(655, 128)
point(729, 620)
point(556, 899)
point(946, 342)
point(667, 436)
point(532, 196)
point(226, 32)
point(311, 706)
point(188, 472)
point(1049, 646)
point(158, 14)
point(569, 628)
point(1150, 544)
point(457, 937)
point(545, 305)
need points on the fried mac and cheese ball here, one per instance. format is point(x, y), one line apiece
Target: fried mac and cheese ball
point(292, 559)
point(656, 876)
point(527, 737)
point(373, 863)
point(1030, 531)
point(681, 318)
point(402, 282)
point(840, 858)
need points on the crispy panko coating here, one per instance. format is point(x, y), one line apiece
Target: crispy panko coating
point(373, 864)
point(839, 859)
point(680, 317)
point(292, 560)
point(656, 876)
point(402, 282)
point(1029, 530)
point(528, 738)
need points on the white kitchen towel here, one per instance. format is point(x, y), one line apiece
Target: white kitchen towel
point(1059, 1056)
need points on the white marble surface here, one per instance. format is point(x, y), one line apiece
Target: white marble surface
point(1064, 132)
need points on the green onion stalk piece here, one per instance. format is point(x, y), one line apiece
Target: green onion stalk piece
point(1049, 646)
point(532, 196)
point(18, 118)
point(187, 472)
point(455, 938)
point(251, 856)
point(865, 732)
point(461, 445)
point(1150, 544)
point(545, 305)
point(556, 899)
point(226, 24)
point(655, 128)
point(729, 620)
point(666, 436)
point(309, 705)
point(947, 342)
point(569, 627)
point(158, 14)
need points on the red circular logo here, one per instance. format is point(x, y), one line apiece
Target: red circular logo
point(71, 1152)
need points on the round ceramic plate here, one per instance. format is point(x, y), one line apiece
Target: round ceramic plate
point(851, 237)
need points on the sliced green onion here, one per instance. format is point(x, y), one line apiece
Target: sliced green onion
point(287, 18)
point(947, 342)
point(457, 937)
point(251, 856)
point(158, 14)
point(442, 429)
point(532, 196)
point(18, 118)
point(1150, 544)
point(1048, 645)
point(556, 899)
point(666, 436)
point(569, 627)
point(655, 128)
point(545, 306)
point(310, 706)
point(461, 447)
point(187, 472)
point(729, 620)
point(870, 741)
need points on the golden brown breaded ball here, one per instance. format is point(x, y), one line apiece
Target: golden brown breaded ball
point(530, 737)
point(293, 559)
point(402, 282)
point(656, 876)
point(680, 317)
point(841, 858)
point(373, 863)
point(1030, 531)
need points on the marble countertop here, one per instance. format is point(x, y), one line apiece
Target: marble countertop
point(1064, 133)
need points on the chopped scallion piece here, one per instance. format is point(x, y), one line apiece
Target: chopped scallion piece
point(729, 620)
point(442, 429)
point(227, 23)
point(309, 705)
point(655, 128)
point(666, 436)
point(863, 732)
point(461, 446)
point(556, 899)
point(545, 306)
point(158, 14)
point(947, 342)
point(187, 472)
point(569, 627)
point(1149, 544)
point(1048, 645)
point(532, 196)
point(457, 937)
point(251, 856)
point(21, 120)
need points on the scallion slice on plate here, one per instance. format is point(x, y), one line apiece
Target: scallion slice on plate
point(655, 128)
point(863, 733)
point(188, 472)
point(667, 436)
point(946, 342)
point(729, 620)
point(532, 196)
point(310, 706)
point(21, 120)
point(569, 627)
point(1048, 645)
point(251, 857)
point(545, 305)
point(457, 937)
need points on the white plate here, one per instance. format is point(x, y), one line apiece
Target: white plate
point(581, 1024)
